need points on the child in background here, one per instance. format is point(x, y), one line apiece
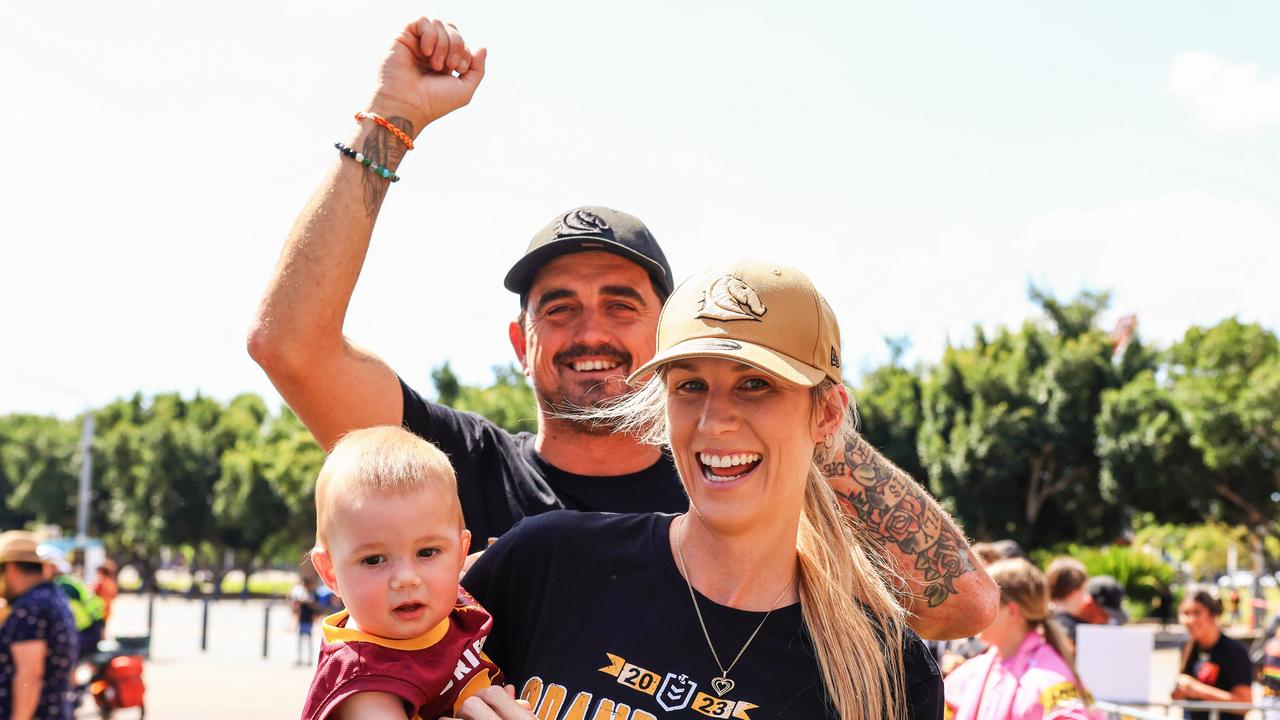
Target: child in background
point(390, 541)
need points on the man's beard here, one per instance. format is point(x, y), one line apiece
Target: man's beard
point(571, 405)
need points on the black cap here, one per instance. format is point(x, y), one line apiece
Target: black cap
point(592, 228)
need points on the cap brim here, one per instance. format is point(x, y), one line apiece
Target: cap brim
point(520, 277)
point(757, 356)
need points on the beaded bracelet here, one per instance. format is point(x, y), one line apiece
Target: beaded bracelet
point(377, 169)
point(386, 124)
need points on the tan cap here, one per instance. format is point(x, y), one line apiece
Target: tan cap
point(18, 546)
point(763, 314)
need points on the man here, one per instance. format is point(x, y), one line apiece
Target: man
point(38, 641)
point(591, 286)
point(87, 609)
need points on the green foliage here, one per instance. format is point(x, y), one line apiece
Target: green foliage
point(1143, 574)
point(509, 402)
point(1203, 548)
point(1008, 434)
point(39, 470)
point(889, 412)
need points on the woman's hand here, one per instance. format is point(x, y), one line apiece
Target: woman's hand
point(494, 703)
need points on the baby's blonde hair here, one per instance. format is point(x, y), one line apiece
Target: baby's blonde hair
point(381, 460)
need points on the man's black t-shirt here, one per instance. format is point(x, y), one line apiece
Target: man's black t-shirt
point(501, 477)
point(591, 616)
point(1224, 666)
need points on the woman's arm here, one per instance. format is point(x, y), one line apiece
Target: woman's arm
point(1189, 688)
point(950, 595)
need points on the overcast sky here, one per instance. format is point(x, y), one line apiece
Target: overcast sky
point(923, 162)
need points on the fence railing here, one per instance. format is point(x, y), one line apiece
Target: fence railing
point(1116, 711)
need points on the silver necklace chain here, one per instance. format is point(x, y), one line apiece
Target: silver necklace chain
point(722, 684)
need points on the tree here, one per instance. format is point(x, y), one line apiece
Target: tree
point(1008, 433)
point(39, 470)
point(889, 412)
point(1223, 381)
point(508, 402)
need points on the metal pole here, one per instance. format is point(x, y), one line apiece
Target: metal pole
point(204, 627)
point(151, 612)
point(266, 628)
point(86, 479)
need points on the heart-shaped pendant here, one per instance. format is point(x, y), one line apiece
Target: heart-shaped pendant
point(721, 685)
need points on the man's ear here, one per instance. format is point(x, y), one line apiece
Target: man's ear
point(323, 564)
point(515, 331)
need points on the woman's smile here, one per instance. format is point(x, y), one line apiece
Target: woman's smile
point(724, 467)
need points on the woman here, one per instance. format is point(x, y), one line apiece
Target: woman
point(1215, 668)
point(757, 603)
point(1027, 673)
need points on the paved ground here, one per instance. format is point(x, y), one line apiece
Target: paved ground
point(229, 680)
point(232, 679)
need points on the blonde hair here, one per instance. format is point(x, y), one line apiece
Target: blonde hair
point(854, 618)
point(381, 460)
point(1023, 584)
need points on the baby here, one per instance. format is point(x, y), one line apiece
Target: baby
point(390, 541)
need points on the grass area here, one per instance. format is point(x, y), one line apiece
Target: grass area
point(274, 582)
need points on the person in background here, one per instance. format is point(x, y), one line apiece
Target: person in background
point(303, 601)
point(1069, 597)
point(106, 588)
point(86, 607)
point(1028, 673)
point(1108, 597)
point(1215, 668)
point(38, 640)
point(1267, 669)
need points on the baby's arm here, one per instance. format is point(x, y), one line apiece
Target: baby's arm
point(371, 706)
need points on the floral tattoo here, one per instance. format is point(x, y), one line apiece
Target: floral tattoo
point(894, 508)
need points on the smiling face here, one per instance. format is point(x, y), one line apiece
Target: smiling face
point(1200, 623)
point(591, 318)
point(394, 559)
point(743, 441)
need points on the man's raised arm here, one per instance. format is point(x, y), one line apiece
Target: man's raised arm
point(333, 384)
point(950, 595)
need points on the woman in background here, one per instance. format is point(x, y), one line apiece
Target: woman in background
point(1028, 672)
point(1215, 668)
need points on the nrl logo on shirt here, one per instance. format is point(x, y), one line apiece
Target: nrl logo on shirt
point(729, 298)
point(675, 692)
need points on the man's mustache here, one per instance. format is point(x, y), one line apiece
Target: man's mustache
point(570, 354)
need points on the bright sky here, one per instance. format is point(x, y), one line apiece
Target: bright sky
point(923, 162)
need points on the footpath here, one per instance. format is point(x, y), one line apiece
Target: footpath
point(231, 679)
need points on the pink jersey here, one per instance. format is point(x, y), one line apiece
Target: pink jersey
point(1034, 684)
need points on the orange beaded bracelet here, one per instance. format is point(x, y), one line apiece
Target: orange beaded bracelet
point(400, 134)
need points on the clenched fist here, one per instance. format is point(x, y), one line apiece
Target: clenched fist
point(417, 80)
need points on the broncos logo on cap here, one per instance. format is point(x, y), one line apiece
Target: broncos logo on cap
point(581, 222)
point(729, 298)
